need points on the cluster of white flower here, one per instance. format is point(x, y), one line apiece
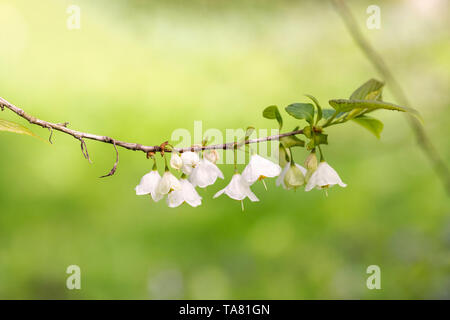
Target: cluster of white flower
point(202, 172)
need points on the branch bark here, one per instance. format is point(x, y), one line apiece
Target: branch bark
point(127, 145)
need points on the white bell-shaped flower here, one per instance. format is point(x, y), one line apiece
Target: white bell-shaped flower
point(187, 194)
point(149, 184)
point(295, 176)
point(175, 161)
point(168, 184)
point(205, 174)
point(190, 161)
point(259, 168)
point(324, 176)
point(237, 189)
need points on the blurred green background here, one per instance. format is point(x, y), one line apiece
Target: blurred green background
point(137, 70)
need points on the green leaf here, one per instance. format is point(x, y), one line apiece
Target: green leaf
point(371, 90)
point(13, 127)
point(373, 125)
point(345, 105)
point(272, 112)
point(319, 108)
point(301, 111)
point(327, 113)
point(291, 141)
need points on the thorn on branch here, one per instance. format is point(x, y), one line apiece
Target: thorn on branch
point(113, 170)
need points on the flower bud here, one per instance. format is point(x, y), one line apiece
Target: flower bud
point(311, 162)
point(211, 155)
point(175, 161)
point(294, 177)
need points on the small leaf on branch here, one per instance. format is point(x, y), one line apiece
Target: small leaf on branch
point(345, 105)
point(327, 113)
point(272, 112)
point(319, 108)
point(291, 141)
point(370, 90)
point(301, 111)
point(373, 125)
point(13, 127)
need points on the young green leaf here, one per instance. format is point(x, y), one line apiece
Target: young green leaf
point(345, 105)
point(319, 108)
point(291, 141)
point(272, 112)
point(13, 127)
point(328, 113)
point(301, 111)
point(373, 125)
point(371, 90)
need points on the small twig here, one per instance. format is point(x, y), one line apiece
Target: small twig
point(84, 149)
point(128, 145)
point(113, 170)
point(149, 150)
point(51, 134)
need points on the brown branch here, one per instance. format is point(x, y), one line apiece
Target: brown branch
point(62, 127)
point(377, 61)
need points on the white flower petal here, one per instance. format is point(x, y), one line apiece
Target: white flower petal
point(252, 196)
point(175, 161)
point(175, 198)
point(168, 183)
point(205, 174)
point(325, 176)
point(219, 193)
point(149, 184)
point(187, 194)
point(237, 189)
point(259, 168)
point(190, 161)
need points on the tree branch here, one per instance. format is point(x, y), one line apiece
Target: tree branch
point(377, 61)
point(127, 145)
